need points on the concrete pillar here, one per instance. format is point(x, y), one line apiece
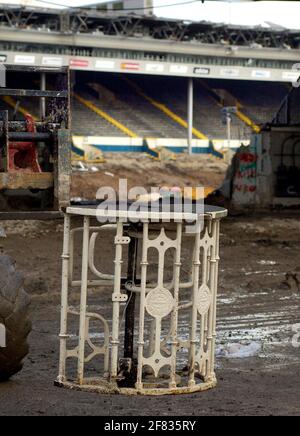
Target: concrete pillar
point(228, 122)
point(43, 86)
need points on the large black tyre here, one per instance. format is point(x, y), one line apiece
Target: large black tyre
point(14, 303)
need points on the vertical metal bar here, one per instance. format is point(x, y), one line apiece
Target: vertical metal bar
point(193, 334)
point(144, 265)
point(205, 282)
point(83, 298)
point(215, 258)
point(190, 105)
point(205, 318)
point(43, 100)
point(71, 261)
point(152, 337)
point(64, 300)
point(116, 303)
point(202, 344)
point(174, 327)
point(63, 170)
point(129, 320)
point(228, 122)
point(210, 315)
point(5, 144)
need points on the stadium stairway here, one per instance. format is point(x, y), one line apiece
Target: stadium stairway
point(92, 122)
point(164, 109)
point(104, 115)
point(172, 92)
point(137, 113)
point(233, 102)
point(259, 100)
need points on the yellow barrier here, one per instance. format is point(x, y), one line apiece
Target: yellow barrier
point(104, 115)
point(165, 110)
point(239, 113)
point(11, 102)
point(248, 121)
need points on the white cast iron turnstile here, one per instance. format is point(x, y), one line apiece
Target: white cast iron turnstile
point(171, 347)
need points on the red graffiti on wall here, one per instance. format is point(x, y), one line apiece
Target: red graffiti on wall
point(245, 178)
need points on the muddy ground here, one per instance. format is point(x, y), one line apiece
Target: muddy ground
point(258, 365)
point(257, 310)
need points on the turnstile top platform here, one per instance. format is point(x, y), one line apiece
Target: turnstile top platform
point(123, 211)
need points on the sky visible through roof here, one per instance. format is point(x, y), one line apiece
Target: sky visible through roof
point(283, 13)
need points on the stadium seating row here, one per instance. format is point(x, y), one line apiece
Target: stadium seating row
point(156, 107)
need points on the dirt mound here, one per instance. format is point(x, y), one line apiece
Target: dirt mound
point(141, 170)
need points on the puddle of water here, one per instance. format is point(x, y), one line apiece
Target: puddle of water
point(267, 262)
point(226, 300)
point(266, 273)
point(239, 351)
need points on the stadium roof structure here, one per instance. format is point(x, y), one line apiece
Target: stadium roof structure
point(85, 21)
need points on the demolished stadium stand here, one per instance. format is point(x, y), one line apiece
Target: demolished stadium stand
point(131, 73)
